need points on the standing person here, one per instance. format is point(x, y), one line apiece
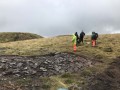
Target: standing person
point(74, 38)
point(82, 34)
point(77, 38)
point(96, 34)
point(93, 38)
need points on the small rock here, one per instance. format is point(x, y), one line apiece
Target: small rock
point(43, 69)
point(19, 64)
point(13, 63)
point(25, 68)
point(4, 79)
point(33, 72)
point(45, 62)
point(1, 66)
point(16, 71)
point(26, 72)
point(62, 71)
point(19, 89)
point(57, 53)
point(1, 75)
point(3, 61)
point(18, 75)
point(35, 65)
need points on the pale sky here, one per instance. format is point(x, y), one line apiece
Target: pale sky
point(56, 17)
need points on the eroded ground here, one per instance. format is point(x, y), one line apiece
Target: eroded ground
point(26, 72)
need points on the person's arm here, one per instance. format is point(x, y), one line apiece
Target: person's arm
point(73, 39)
point(91, 37)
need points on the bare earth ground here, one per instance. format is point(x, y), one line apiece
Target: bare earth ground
point(109, 79)
point(30, 69)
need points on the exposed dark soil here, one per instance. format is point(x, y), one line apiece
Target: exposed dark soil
point(109, 79)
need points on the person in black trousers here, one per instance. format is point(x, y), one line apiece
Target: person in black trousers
point(82, 34)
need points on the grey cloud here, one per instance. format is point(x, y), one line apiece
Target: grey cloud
point(54, 17)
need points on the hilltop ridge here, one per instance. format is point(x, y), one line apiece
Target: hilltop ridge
point(17, 36)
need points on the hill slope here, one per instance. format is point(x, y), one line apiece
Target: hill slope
point(108, 47)
point(16, 36)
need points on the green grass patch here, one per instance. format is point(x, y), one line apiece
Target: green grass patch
point(66, 75)
point(69, 81)
point(86, 72)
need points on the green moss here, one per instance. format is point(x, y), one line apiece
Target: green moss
point(107, 49)
point(66, 75)
point(69, 81)
point(46, 86)
point(86, 72)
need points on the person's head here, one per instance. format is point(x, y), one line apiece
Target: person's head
point(75, 32)
point(93, 32)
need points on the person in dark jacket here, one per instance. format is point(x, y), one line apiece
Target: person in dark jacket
point(77, 38)
point(82, 34)
point(93, 38)
point(96, 36)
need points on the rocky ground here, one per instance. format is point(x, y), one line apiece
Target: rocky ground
point(15, 68)
point(41, 66)
point(48, 65)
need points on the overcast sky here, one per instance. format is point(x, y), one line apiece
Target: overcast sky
point(54, 17)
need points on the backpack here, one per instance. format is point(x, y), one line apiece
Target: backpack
point(93, 36)
point(96, 35)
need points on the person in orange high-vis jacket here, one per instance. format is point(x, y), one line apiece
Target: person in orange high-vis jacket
point(93, 38)
point(74, 40)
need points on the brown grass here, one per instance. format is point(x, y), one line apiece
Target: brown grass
point(44, 46)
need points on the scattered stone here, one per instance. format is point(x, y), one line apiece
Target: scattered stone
point(48, 65)
point(0, 75)
point(13, 63)
point(3, 61)
point(25, 68)
point(20, 64)
point(17, 75)
point(33, 72)
point(45, 62)
point(43, 69)
point(1, 66)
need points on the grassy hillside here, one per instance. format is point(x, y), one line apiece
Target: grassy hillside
point(16, 36)
point(108, 47)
